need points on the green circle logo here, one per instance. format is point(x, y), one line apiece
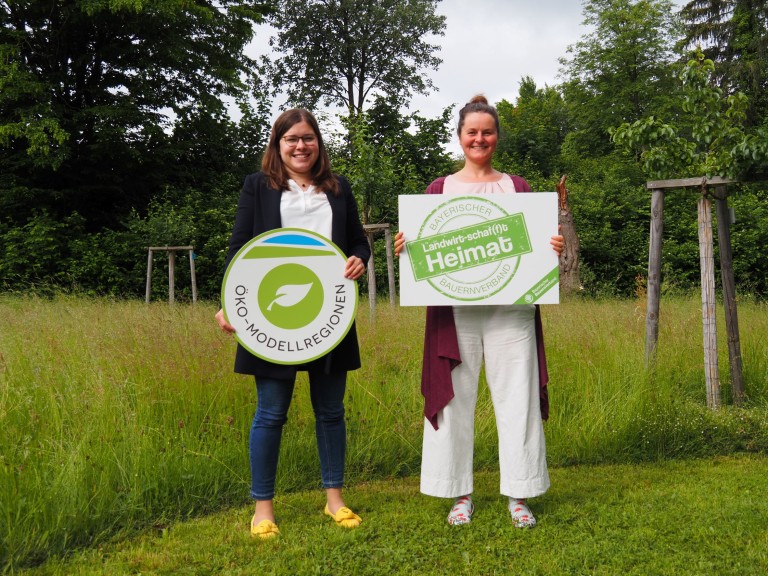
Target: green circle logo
point(290, 296)
point(286, 295)
point(483, 269)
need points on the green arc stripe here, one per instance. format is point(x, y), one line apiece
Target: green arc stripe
point(284, 252)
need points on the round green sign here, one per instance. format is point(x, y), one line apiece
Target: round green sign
point(286, 296)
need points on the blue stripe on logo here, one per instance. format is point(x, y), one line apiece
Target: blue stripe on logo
point(293, 239)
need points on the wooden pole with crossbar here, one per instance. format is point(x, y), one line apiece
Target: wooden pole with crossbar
point(171, 270)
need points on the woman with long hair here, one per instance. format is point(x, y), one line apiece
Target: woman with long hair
point(296, 189)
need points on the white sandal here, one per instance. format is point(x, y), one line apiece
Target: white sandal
point(462, 511)
point(522, 517)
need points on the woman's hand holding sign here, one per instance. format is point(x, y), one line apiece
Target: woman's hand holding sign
point(558, 242)
point(354, 268)
point(399, 243)
point(223, 324)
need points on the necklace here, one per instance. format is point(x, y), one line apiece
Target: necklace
point(302, 184)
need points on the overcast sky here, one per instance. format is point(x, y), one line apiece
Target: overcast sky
point(489, 45)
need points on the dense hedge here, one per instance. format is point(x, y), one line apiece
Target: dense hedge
point(611, 214)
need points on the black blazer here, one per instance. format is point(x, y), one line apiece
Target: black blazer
point(258, 211)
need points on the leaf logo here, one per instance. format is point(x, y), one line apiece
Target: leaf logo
point(290, 295)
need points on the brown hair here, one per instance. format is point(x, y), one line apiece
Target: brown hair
point(478, 103)
point(272, 163)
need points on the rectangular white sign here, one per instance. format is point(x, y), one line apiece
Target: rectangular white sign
point(479, 249)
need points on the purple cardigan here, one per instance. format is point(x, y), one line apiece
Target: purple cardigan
point(441, 345)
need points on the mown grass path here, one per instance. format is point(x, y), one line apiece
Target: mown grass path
point(692, 517)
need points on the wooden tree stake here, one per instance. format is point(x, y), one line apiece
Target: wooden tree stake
point(654, 276)
point(370, 230)
point(707, 264)
point(729, 294)
point(171, 270)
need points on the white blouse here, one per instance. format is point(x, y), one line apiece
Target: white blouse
point(308, 209)
point(454, 185)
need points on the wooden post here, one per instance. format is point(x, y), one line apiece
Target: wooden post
point(729, 294)
point(171, 275)
point(371, 274)
point(192, 274)
point(654, 276)
point(149, 274)
point(709, 320)
point(390, 264)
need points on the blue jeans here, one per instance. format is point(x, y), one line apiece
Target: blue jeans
point(274, 398)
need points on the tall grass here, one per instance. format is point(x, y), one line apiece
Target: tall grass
point(118, 415)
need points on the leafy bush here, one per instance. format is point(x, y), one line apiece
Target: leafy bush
point(46, 255)
point(36, 254)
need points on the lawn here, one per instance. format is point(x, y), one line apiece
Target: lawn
point(696, 517)
point(119, 418)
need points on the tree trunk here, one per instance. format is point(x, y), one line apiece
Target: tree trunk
point(569, 258)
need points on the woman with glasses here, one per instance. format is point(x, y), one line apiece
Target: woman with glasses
point(296, 189)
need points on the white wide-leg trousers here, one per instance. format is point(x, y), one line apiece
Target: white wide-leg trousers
point(505, 337)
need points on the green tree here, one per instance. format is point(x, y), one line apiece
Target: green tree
point(611, 214)
point(92, 91)
point(533, 129)
point(709, 137)
point(375, 177)
point(344, 52)
point(412, 140)
point(734, 35)
point(619, 71)
point(393, 155)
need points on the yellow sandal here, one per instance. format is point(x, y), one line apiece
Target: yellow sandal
point(264, 529)
point(344, 517)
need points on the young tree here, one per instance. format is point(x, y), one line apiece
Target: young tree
point(91, 91)
point(709, 138)
point(734, 35)
point(344, 52)
point(620, 70)
point(393, 155)
point(412, 140)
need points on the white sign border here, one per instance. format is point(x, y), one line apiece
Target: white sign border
point(540, 213)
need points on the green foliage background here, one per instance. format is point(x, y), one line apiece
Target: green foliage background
point(97, 163)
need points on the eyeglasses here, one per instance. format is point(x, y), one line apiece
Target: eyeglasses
point(293, 141)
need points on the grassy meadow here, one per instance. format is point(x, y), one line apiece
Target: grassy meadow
point(118, 417)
